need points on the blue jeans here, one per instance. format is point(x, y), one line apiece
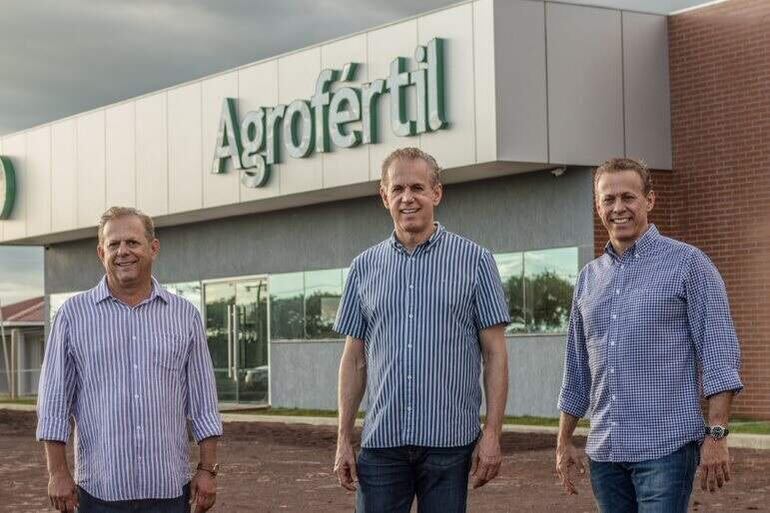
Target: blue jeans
point(389, 479)
point(90, 504)
point(655, 486)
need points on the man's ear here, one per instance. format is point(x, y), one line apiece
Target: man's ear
point(438, 194)
point(650, 200)
point(154, 248)
point(384, 196)
point(100, 252)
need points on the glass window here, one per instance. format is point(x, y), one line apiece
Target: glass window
point(323, 290)
point(549, 278)
point(190, 290)
point(55, 301)
point(511, 267)
point(287, 306)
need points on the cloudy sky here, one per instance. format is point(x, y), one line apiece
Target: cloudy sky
point(59, 58)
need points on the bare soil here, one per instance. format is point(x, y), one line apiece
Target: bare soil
point(270, 467)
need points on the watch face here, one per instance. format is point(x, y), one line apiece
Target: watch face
point(717, 432)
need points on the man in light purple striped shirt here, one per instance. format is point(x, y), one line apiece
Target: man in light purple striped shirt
point(129, 362)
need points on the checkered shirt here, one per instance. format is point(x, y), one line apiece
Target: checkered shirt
point(649, 334)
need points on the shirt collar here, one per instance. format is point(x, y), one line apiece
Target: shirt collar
point(643, 245)
point(102, 292)
point(432, 240)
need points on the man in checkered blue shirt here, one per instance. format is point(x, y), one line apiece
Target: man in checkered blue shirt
point(650, 326)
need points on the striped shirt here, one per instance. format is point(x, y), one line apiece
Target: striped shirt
point(641, 326)
point(419, 316)
point(130, 377)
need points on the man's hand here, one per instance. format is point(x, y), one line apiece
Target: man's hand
point(203, 491)
point(62, 492)
point(345, 464)
point(714, 464)
point(568, 456)
point(487, 458)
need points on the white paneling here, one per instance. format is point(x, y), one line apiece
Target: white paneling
point(184, 149)
point(646, 96)
point(258, 87)
point(38, 190)
point(484, 74)
point(64, 184)
point(218, 189)
point(2, 222)
point(585, 84)
point(345, 166)
point(121, 155)
point(297, 74)
point(152, 155)
point(90, 168)
point(15, 148)
point(385, 45)
point(520, 66)
point(455, 146)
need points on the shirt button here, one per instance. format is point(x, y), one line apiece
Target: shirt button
point(612, 370)
point(408, 408)
point(614, 316)
point(612, 342)
point(133, 338)
point(409, 377)
point(136, 366)
point(617, 291)
point(622, 266)
point(613, 397)
point(136, 396)
point(614, 423)
point(409, 346)
point(411, 286)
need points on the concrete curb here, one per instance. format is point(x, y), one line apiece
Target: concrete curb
point(736, 440)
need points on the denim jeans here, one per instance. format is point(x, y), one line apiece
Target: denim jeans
point(389, 479)
point(655, 486)
point(90, 504)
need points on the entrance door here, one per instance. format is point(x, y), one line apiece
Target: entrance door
point(236, 327)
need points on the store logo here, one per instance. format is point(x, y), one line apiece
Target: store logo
point(7, 187)
point(305, 126)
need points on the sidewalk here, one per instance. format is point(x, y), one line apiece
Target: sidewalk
point(736, 440)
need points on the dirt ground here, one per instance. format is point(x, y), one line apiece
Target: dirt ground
point(270, 468)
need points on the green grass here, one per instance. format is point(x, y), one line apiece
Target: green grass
point(4, 399)
point(298, 412)
point(751, 427)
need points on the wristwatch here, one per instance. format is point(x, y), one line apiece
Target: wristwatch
point(211, 469)
point(717, 432)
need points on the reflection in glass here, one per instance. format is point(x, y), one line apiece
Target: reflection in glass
point(323, 290)
point(55, 301)
point(549, 278)
point(287, 306)
point(219, 298)
point(190, 290)
point(511, 267)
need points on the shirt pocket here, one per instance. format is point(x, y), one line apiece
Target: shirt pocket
point(169, 352)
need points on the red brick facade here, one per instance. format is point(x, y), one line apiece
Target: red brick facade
point(718, 196)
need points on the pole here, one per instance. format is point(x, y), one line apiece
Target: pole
point(5, 350)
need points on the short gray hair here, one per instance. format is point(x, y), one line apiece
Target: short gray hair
point(118, 212)
point(411, 154)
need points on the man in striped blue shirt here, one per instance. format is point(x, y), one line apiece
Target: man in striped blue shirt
point(421, 310)
point(648, 317)
point(129, 362)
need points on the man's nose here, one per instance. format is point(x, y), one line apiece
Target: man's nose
point(123, 248)
point(407, 196)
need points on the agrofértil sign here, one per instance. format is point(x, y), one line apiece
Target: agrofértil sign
point(264, 136)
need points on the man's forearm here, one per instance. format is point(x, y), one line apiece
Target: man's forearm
point(719, 408)
point(351, 387)
point(567, 425)
point(208, 450)
point(495, 389)
point(56, 458)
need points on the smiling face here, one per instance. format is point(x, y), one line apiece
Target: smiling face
point(623, 207)
point(410, 194)
point(126, 253)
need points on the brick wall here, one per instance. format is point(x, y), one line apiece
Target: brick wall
point(718, 196)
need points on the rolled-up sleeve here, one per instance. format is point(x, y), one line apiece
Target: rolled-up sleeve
point(201, 407)
point(57, 388)
point(350, 317)
point(575, 394)
point(711, 326)
point(491, 308)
